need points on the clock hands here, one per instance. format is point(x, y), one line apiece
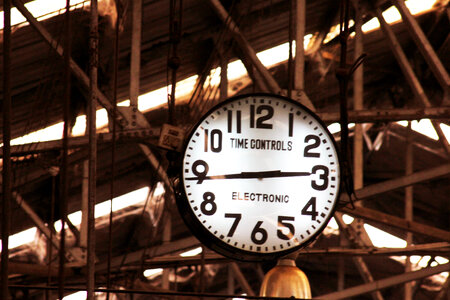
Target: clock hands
point(252, 175)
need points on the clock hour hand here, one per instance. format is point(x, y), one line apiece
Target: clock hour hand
point(252, 175)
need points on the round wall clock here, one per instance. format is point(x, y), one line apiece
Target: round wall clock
point(260, 177)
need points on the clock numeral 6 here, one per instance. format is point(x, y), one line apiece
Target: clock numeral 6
point(208, 206)
point(259, 234)
point(323, 176)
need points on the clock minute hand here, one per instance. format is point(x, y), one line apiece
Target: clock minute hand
point(252, 175)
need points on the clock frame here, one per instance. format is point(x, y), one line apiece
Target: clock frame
point(260, 177)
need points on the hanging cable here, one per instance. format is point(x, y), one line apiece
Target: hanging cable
point(173, 61)
point(343, 74)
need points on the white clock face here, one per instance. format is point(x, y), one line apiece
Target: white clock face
point(260, 175)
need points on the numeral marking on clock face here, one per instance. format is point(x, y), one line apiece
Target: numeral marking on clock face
point(262, 175)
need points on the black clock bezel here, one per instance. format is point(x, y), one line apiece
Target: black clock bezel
point(209, 239)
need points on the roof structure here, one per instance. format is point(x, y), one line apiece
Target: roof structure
point(211, 50)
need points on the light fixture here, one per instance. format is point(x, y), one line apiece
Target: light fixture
point(286, 280)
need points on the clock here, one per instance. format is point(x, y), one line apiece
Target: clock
point(260, 177)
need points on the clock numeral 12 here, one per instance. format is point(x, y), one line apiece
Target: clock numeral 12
point(266, 112)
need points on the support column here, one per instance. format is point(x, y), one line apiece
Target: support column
point(92, 108)
point(223, 76)
point(167, 234)
point(6, 170)
point(409, 206)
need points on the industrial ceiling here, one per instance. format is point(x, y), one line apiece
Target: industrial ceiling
point(403, 76)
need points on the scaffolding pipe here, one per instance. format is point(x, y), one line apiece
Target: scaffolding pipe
point(6, 172)
point(92, 107)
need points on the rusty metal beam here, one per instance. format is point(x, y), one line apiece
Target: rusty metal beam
point(393, 221)
point(409, 74)
point(76, 70)
point(389, 115)
point(384, 283)
point(245, 46)
point(241, 279)
point(424, 46)
point(389, 185)
point(126, 114)
point(37, 270)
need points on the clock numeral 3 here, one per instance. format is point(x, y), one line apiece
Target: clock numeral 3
point(201, 174)
point(237, 219)
point(310, 208)
point(208, 206)
point(283, 222)
point(266, 112)
point(259, 234)
point(314, 145)
point(214, 140)
point(323, 176)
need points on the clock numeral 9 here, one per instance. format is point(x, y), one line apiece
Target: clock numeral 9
point(201, 174)
point(323, 176)
point(208, 206)
point(266, 112)
point(310, 209)
point(214, 140)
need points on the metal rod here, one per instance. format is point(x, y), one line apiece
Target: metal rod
point(299, 69)
point(384, 283)
point(92, 107)
point(6, 171)
point(135, 64)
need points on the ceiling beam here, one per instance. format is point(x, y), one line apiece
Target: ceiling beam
point(245, 46)
point(389, 115)
point(385, 282)
point(424, 46)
